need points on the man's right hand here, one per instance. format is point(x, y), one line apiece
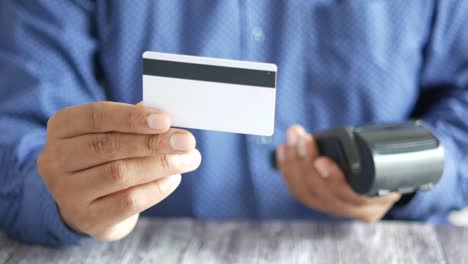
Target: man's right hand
point(106, 162)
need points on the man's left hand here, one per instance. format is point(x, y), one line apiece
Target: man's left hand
point(318, 182)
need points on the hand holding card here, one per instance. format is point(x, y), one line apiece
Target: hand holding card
point(212, 94)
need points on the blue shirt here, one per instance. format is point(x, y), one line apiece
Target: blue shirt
point(347, 62)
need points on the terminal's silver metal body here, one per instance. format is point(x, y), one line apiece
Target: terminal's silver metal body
point(385, 158)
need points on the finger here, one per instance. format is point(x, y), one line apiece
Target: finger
point(301, 179)
point(288, 161)
point(94, 149)
point(307, 152)
point(390, 198)
point(334, 177)
point(369, 212)
point(115, 232)
point(324, 199)
point(329, 199)
point(374, 211)
point(291, 172)
point(293, 134)
point(117, 207)
point(307, 148)
point(287, 156)
point(366, 213)
point(107, 117)
point(122, 174)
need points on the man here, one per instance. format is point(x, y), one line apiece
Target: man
point(75, 163)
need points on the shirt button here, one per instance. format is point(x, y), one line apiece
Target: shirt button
point(258, 34)
point(262, 140)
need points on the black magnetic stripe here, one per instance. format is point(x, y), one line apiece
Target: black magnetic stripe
point(209, 73)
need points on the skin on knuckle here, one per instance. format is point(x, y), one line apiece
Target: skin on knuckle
point(152, 143)
point(117, 172)
point(131, 202)
point(94, 116)
point(133, 118)
point(104, 144)
point(165, 163)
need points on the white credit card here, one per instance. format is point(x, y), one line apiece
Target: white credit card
point(212, 94)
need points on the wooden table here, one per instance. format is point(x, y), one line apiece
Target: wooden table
point(188, 241)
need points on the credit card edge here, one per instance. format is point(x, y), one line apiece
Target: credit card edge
point(268, 66)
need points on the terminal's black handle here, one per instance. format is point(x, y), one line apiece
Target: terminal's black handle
point(333, 146)
point(327, 146)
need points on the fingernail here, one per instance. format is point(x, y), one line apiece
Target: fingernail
point(157, 121)
point(181, 142)
point(280, 155)
point(291, 138)
point(322, 169)
point(302, 147)
point(168, 183)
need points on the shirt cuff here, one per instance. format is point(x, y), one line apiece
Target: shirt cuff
point(40, 216)
point(59, 232)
